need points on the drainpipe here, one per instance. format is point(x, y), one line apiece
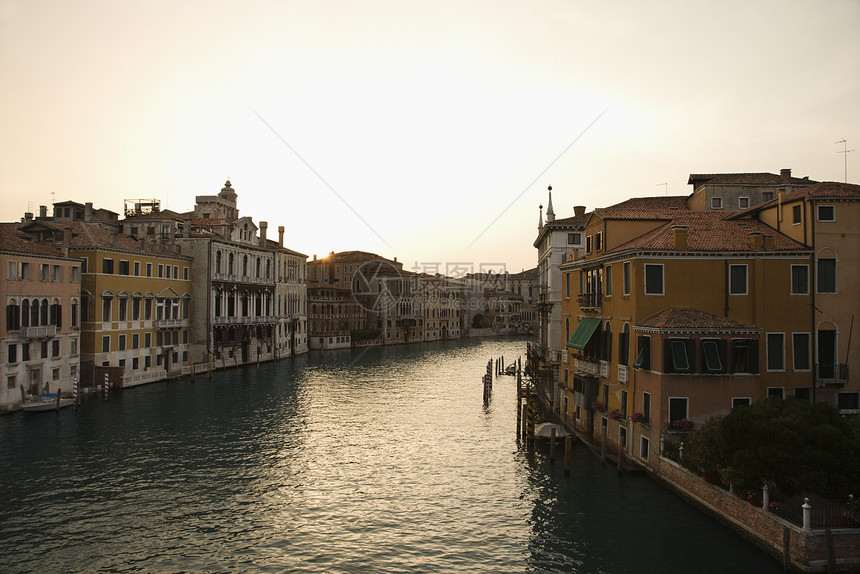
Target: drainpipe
point(209, 304)
point(726, 290)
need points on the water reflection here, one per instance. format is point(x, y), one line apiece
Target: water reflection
point(353, 461)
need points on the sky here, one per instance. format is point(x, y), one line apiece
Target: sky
point(426, 131)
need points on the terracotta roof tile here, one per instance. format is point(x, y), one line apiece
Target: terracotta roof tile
point(710, 231)
point(11, 240)
point(655, 202)
point(762, 178)
point(681, 318)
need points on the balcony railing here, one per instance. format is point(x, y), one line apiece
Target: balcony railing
point(622, 373)
point(585, 366)
point(831, 373)
point(168, 323)
point(41, 332)
point(590, 301)
point(255, 320)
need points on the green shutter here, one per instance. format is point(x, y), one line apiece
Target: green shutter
point(712, 357)
point(680, 364)
point(637, 364)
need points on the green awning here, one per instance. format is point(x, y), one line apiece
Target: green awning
point(637, 364)
point(712, 357)
point(679, 357)
point(583, 333)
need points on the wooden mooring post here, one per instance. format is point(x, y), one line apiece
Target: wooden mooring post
point(568, 454)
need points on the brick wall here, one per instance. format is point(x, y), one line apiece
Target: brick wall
point(808, 551)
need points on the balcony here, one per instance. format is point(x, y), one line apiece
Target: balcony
point(831, 374)
point(42, 332)
point(589, 367)
point(622, 373)
point(261, 320)
point(170, 323)
point(590, 301)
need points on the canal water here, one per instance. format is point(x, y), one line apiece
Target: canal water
point(378, 460)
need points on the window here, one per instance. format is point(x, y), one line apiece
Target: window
point(73, 346)
point(185, 273)
point(741, 402)
point(598, 242)
point(826, 275)
point(643, 353)
point(624, 403)
point(149, 269)
point(58, 274)
point(135, 341)
point(55, 348)
point(137, 268)
point(147, 309)
point(25, 271)
point(605, 398)
point(643, 448)
point(106, 344)
point(147, 340)
point(12, 353)
point(567, 284)
point(826, 213)
point(800, 345)
point(122, 342)
point(796, 214)
point(802, 393)
point(588, 244)
point(766, 195)
point(45, 272)
point(135, 309)
point(624, 345)
point(607, 274)
point(716, 203)
point(76, 274)
point(775, 351)
point(160, 270)
point(12, 270)
point(653, 279)
point(744, 357)
point(777, 392)
point(646, 406)
point(738, 279)
point(106, 304)
point(743, 202)
point(107, 266)
point(570, 239)
point(135, 364)
point(25, 352)
point(123, 309)
point(800, 279)
point(176, 272)
point(147, 362)
point(123, 267)
point(678, 409)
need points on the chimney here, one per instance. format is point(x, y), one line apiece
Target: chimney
point(578, 210)
point(281, 235)
point(28, 217)
point(768, 242)
point(186, 227)
point(755, 239)
point(315, 256)
point(264, 227)
point(679, 237)
point(88, 211)
point(43, 211)
point(785, 176)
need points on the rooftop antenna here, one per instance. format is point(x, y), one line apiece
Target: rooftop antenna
point(665, 188)
point(52, 198)
point(845, 151)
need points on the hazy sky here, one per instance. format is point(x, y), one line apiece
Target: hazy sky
point(409, 128)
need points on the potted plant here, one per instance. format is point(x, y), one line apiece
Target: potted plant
point(637, 417)
point(598, 406)
point(616, 415)
point(682, 425)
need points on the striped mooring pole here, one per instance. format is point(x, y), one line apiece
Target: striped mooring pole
point(106, 386)
point(75, 391)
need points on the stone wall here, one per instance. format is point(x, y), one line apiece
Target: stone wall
point(808, 549)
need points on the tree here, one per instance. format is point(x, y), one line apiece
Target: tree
point(790, 443)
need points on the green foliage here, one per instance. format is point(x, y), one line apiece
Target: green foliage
point(793, 444)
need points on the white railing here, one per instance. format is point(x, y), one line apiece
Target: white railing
point(622, 373)
point(604, 369)
point(39, 332)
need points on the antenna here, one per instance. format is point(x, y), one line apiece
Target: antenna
point(845, 151)
point(665, 188)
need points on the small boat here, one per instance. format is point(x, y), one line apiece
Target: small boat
point(46, 402)
point(511, 370)
point(543, 431)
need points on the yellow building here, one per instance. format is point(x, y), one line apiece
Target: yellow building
point(666, 314)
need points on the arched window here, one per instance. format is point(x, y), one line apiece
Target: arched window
point(13, 316)
point(566, 330)
point(268, 269)
point(624, 345)
point(245, 265)
point(230, 263)
point(43, 316)
point(606, 347)
point(25, 313)
point(217, 262)
point(257, 269)
point(826, 271)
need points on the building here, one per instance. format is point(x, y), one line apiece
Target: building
point(670, 305)
point(40, 342)
point(291, 299)
point(557, 242)
point(738, 191)
point(334, 317)
point(234, 269)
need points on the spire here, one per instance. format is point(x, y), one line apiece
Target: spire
point(540, 218)
point(550, 214)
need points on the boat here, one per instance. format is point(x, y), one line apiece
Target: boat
point(46, 402)
point(543, 431)
point(511, 370)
